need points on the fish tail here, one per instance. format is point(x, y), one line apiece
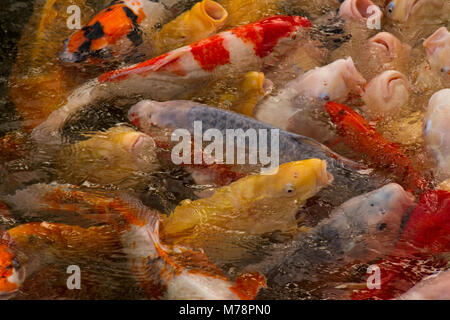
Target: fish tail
point(50, 131)
point(247, 285)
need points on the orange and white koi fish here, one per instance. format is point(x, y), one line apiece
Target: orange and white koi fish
point(28, 247)
point(362, 137)
point(169, 272)
point(239, 50)
point(117, 29)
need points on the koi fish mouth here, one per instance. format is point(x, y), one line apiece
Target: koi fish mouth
point(141, 141)
point(381, 42)
point(358, 9)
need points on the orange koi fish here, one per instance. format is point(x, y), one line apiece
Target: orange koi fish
point(169, 272)
point(27, 248)
point(363, 138)
point(171, 75)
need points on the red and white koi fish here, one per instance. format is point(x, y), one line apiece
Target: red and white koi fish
point(166, 77)
point(169, 272)
point(117, 29)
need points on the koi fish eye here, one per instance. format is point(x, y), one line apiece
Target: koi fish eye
point(15, 264)
point(289, 189)
point(391, 7)
point(324, 96)
point(428, 126)
point(381, 226)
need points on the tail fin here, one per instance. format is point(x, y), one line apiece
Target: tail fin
point(247, 285)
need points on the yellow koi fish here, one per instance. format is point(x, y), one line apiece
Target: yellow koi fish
point(254, 204)
point(117, 156)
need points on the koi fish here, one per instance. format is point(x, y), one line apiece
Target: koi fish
point(425, 236)
point(169, 272)
point(349, 177)
point(437, 47)
point(363, 138)
point(253, 88)
point(39, 84)
point(254, 204)
point(359, 230)
point(290, 109)
point(385, 51)
point(26, 248)
point(408, 15)
point(165, 77)
point(407, 10)
point(386, 94)
point(116, 30)
point(117, 156)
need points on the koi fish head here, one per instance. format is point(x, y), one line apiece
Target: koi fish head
point(402, 10)
point(359, 9)
point(386, 94)
point(11, 274)
point(148, 114)
point(344, 116)
point(375, 220)
point(388, 47)
point(437, 47)
point(114, 30)
point(107, 157)
point(334, 81)
point(291, 182)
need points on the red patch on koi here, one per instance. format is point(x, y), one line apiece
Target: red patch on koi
point(210, 53)
point(424, 237)
point(266, 33)
point(247, 285)
point(117, 75)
